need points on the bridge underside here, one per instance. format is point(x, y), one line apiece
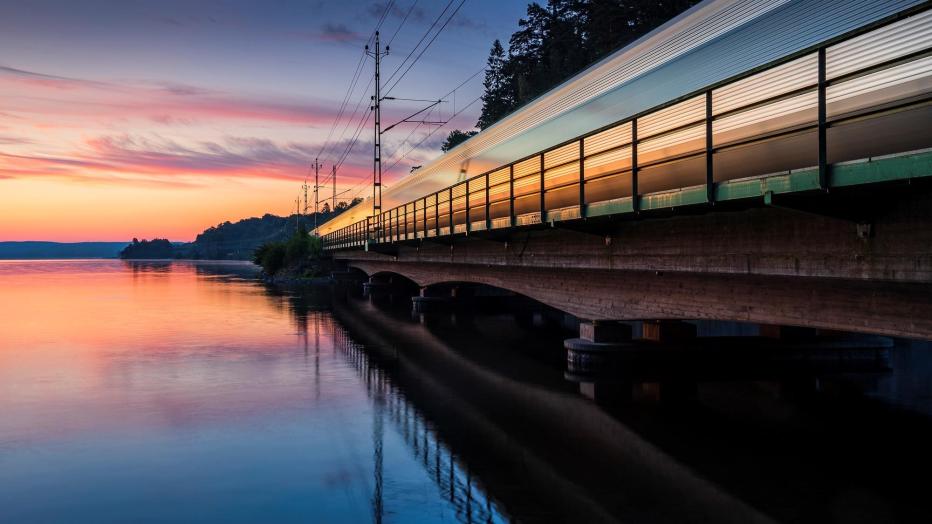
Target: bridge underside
point(771, 265)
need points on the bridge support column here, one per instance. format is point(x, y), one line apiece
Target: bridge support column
point(376, 287)
point(591, 360)
point(428, 301)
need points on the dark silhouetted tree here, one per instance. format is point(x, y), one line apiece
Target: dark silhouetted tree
point(497, 99)
point(455, 138)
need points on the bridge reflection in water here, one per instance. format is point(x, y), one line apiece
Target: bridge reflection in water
point(505, 437)
point(452, 477)
point(392, 408)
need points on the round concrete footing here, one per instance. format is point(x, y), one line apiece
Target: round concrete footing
point(587, 358)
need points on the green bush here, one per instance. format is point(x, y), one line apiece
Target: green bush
point(300, 248)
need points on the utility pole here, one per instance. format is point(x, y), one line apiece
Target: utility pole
point(316, 167)
point(304, 187)
point(377, 144)
point(297, 214)
point(333, 206)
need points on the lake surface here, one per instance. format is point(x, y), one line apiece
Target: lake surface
point(192, 392)
point(187, 392)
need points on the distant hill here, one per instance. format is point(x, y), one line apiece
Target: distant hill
point(32, 250)
point(238, 240)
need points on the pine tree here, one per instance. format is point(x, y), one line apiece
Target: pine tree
point(497, 100)
point(555, 42)
point(455, 138)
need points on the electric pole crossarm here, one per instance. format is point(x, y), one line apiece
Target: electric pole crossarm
point(408, 118)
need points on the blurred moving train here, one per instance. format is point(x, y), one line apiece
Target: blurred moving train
point(730, 89)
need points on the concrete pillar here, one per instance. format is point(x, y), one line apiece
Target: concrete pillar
point(429, 302)
point(376, 286)
point(592, 360)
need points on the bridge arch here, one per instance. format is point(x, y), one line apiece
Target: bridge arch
point(592, 294)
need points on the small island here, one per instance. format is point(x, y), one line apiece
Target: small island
point(148, 249)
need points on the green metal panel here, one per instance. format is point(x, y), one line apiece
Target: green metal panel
point(680, 197)
point(610, 207)
point(803, 180)
point(883, 169)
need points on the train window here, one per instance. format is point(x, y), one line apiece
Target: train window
point(677, 143)
point(561, 155)
point(499, 176)
point(776, 116)
point(609, 162)
point(881, 45)
point(791, 76)
point(611, 138)
point(527, 167)
point(904, 82)
point(677, 115)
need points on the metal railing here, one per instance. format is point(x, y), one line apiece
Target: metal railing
point(804, 110)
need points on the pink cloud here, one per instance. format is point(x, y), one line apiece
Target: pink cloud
point(159, 102)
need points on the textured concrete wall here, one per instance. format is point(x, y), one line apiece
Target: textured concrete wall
point(871, 307)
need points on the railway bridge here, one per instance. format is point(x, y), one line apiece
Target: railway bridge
point(797, 191)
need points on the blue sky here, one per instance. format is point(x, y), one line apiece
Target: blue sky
point(117, 100)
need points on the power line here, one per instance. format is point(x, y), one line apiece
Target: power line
point(403, 20)
point(389, 90)
point(426, 33)
point(349, 93)
point(454, 115)
point(354, 80)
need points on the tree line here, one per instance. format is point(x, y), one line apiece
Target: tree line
point(555, 41)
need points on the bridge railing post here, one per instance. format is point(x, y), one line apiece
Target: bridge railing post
point(635, 197)
point(543, 192)
point(511, 195)
point(450, 207)
point(468, 218)
point(582, 178)
point(437, 213)
point(709, 178)
point(488, 222)
point(823, 150)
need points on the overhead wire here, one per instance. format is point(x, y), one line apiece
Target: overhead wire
point(426, 47)
point(418, 44)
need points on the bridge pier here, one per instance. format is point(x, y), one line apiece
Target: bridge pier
point(377, 287)
point(429, 300)
point(592, 353)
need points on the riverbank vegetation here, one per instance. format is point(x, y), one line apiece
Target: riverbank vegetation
point(157, 248)
point(301, 256)
point(235, 240)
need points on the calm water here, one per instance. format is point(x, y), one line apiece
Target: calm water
point(143, 392)
point(190, 392)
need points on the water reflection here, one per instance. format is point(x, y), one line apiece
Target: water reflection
point(193, 392)
point(183, 392)
point(737, 449)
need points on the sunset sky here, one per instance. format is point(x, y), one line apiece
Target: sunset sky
point(123, 119)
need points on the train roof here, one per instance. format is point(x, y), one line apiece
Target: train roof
point(710, 42)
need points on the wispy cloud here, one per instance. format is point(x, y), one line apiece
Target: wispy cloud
point(167, 103)
point(125, 158)
point(9, 140)
point(333, 33)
